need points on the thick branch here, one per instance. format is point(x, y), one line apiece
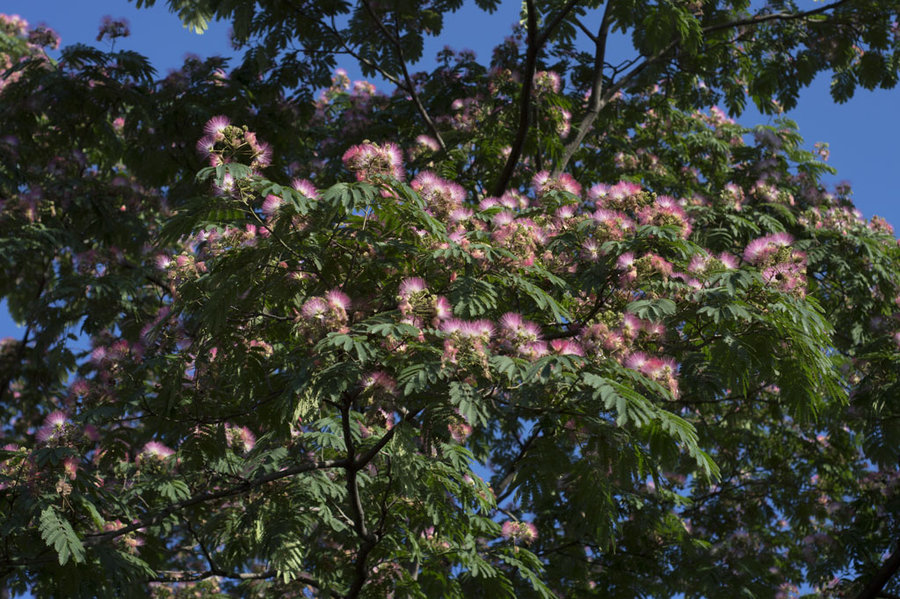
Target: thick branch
point(410, 87)
point(882, 577)
point(194, 576)
point(596, 103)
point(535, 42)
point(359, 516)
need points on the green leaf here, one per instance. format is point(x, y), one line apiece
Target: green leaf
point(59, 534)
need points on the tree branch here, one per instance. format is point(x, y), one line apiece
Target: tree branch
point(524, 103)
point(506, 487)
point(100, 537)
point(596, 103)
point(358, 515)
point(410, 87)
point(535, 41)
point(588, 121)
point(882, 577)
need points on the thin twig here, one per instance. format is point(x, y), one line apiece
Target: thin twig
point(410, 86)
point(629, 78)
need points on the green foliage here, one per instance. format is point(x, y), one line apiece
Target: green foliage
point(664, 351)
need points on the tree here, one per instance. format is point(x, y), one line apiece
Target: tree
point(445, 342)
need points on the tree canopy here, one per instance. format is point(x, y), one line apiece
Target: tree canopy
point(541, 327)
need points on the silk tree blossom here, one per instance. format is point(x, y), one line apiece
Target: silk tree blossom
point(154, 450)
point(524, 532)
point(442, 308)
point(329, 312)
point(215, 127)
point(522, 236)
point(55, 428)
point(566, 347)
point(516, 333)
point(624, 196)
point(368, 160)
point(379, 382)
point(513, 200)
point(225, 143)
point(665, 212)
point(240, 438)
point(543, 184)
point(428, 142)
point(768, 249)
point(413, 298)
point(546, 82)
point(733, 196)
point(591, 250)
point(702, 263)
point(306, 188)
point(466, 342)
point(788, 276)
point(442, 198)
point(662, 370)
point(459, 430)
point(612, 224)
point(271, 205)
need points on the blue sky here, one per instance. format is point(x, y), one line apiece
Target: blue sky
point(863, 133)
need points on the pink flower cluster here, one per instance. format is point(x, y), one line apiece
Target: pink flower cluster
point(783, 267)
point(442, 198)
point(369, 160)
point(328, 312)
point(524, 532)
point(225, 143)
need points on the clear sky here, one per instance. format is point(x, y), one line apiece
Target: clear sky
point(863, 133)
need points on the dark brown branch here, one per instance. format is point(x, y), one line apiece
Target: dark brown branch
point(596, 101)
point(410, 86)
point(194, 576)
point(778, 16)
point(882, 577)
point(359, 58)
point(356, 507)
point(535, 41)
point(100, 537)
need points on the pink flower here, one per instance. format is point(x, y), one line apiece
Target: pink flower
point(442, 308)
point(442, 198)
point(306, 188)
point(156, 450)
point(526, 532)
point(544, 183)
point(566, 347)
point(54, 427)
point(270, 205)
point(763, 249)
point(379, 381)
point(411, 286)
point(215, 127)
point(428, 142)
point(338, 299)
point(517, 332)
point(240, 438)
point(314, 309)
point(636, 361)
point(368, 160)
